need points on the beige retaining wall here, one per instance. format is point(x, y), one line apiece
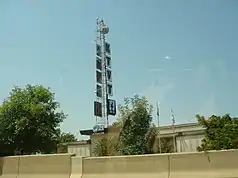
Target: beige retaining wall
point(9, 167)
point(37, 166)
point(76, 167)
point(214, 164)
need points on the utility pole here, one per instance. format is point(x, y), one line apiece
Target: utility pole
point(158, 120)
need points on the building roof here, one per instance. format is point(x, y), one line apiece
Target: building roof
point(79, 142)
point(117, 129)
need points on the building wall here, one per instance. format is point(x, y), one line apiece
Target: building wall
point(191, 127)
point(189, 143)
point(80, 149)
point(188, 136)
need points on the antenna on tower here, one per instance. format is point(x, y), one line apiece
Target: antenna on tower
point(173, 127)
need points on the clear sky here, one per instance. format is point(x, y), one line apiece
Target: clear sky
point(50, 42)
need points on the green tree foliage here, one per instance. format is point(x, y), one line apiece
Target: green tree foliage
point(135, 118)
point(67, 137)
point(29, 121)
point(106, 146)
point(151, 138)
point(63, 139)
point(166, 145)
point(133, 107)
point(221, 132)
point(124, 111)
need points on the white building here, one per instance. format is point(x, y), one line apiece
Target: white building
point(187, 138)
point(80, 148)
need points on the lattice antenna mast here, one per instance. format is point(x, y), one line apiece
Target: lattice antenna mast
point(103, 106)
point(102, 30)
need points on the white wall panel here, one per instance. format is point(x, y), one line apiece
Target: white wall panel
point(188, 143)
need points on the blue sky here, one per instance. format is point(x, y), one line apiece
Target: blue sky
point(51, 43)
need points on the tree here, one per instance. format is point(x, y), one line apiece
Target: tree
point(29, 121)
point(106, 146)
point(67, 137)
point(220, 132)
point(63, 139)
point(153, 146)
point(151, 138)
point(124, 111)
point(135, 118)
point(166, 145)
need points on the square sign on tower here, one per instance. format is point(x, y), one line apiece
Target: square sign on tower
point(111, 107)
point(97, 109)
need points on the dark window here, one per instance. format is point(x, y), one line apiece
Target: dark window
point(99, 91)
point(97, 109)
point(109, 89)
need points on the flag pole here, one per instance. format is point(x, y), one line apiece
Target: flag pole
point(173, 124)
point(158, 122)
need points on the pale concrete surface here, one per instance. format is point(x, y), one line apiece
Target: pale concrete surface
point(130, 166)
point(47, 166)
point(37, 166)
point(222, 164)
point(213, 164)
point(80, 149)
point(9, 166)
point(76, 167)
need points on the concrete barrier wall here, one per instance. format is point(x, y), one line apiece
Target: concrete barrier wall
point(222, 164)
point(76, 167)
point(9, 166)
point(47, 166)
point(126, 166)
point(214, 164)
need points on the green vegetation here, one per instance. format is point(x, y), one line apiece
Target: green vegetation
point(63, 139)
point(137, 133)
point(29, 121)
point(220, 132)
point(135, 121)
point(106, 146)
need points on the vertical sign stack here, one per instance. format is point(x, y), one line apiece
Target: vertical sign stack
point(104, 105)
